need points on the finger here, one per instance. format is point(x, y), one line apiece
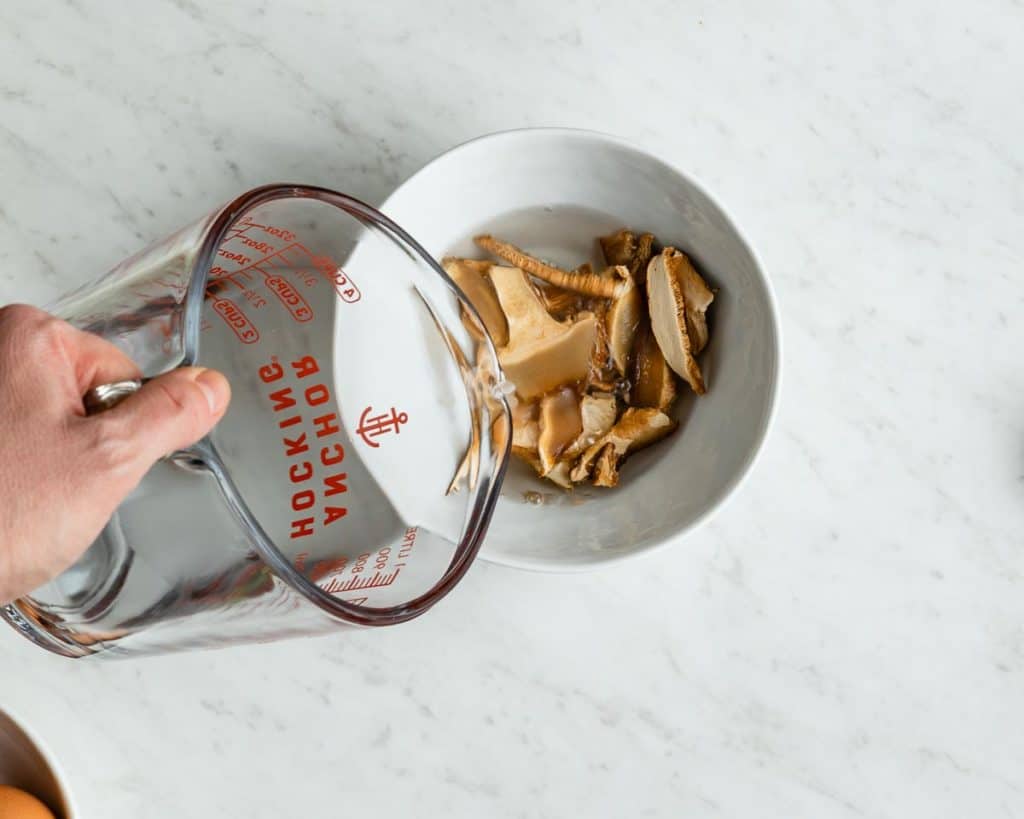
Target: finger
point(96, 361)
point(54, 354)
point(170, 412)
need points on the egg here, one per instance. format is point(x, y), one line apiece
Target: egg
point(16, 804)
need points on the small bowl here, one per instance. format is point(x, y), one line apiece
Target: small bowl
point(552, 192)
point(26, 764)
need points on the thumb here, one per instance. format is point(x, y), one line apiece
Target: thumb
point(174, 410)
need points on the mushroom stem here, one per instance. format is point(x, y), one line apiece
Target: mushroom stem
point(591, 284)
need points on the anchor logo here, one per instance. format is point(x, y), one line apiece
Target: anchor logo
point(373, 426)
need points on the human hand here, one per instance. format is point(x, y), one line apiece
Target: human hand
point(62, 473)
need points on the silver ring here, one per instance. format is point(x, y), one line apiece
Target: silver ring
point(107, 396)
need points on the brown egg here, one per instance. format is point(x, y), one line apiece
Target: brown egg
point(16, 804)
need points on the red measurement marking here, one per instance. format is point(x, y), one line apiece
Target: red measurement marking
point(238, 229)
point(241, 258)
point(228, 276)
point(262, 247)
point(377, 580)
point(343, 285)
point(405, 549)
point(236, 320)
point(295, 256)
point(270, 230)
point(290, 298)
point(296, 259)
point(373, 426)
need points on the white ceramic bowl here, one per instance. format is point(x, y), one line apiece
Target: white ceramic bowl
point(552, 191)
point(26, 764)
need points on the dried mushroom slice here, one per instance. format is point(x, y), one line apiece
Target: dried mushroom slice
point(696, 294)
point(619, 247)
point(606, 468)
point(641, 258)
point(525, 429)
point(640, 428)
point(653, 383)
point(636, 429)
point(623, 320)
point(597, 414)
point(469, 467)
point(626, 248)
point(601, 368)
point(560, 303)
point(560, 424)
point(584, 466)
point(590, 284)
point(668, 320)
point(530, 456)
point(559, 474)
point(471, 277)
point(564, 304)
point(541, 353)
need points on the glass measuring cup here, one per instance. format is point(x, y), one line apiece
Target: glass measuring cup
point(364, 395)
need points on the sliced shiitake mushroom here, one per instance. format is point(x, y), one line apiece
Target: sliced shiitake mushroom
point(653, 384)
point(565, 304)
point(641, 258)
point(626, 248)
point(559, 474)
point(528, 455)
point(619, 247)
point(667, 308)
point(560, 303)
point(636, 429)
point(560, 423)
point(471, 277)
point(541, 353)
point(622, 321)
point(597, 415)
point(697, 295)
point(525, 429)
point(606, 468)
point(601, 369)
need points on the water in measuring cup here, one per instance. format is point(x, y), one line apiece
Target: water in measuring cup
point(347, 421)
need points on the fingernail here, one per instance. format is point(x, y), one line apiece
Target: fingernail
point(215, 387)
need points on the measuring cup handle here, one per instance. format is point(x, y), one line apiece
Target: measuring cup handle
point(108, 396)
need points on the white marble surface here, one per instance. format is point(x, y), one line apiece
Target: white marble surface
point(845, 640)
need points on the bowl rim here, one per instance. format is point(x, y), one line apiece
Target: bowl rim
point(735, 482)
point(57, 771)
